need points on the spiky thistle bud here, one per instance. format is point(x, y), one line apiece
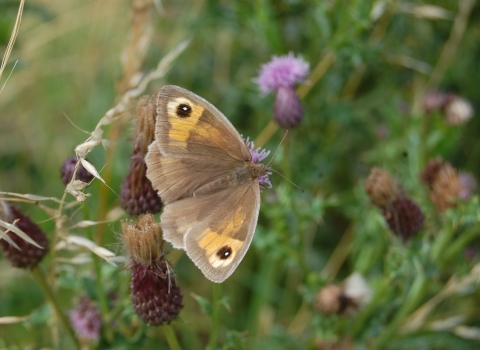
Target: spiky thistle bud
point(86, 320)
point(443, 182)
point(68, 168)
point(137, 195)
point(26, 255)
point(156, 297)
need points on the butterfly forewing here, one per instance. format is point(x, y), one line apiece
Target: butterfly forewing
point(190, 127)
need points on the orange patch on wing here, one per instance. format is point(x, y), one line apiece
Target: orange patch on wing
point(212, 242)
point(181, 128)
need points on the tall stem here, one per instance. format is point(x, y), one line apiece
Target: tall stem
point(54, 302)
point(217, 292)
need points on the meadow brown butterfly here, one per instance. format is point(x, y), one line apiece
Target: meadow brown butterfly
point(204, 173)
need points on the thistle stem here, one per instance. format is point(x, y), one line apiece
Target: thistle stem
point(217, 292)
point(171, 338)
point(54, 302)
point(413, 299)
point(98, 278)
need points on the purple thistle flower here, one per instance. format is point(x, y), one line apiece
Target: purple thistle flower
point(280, 75)
point(283, 71)
point(86, 320)
point(258, 155)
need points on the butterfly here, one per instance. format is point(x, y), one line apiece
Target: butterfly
point(203, 171)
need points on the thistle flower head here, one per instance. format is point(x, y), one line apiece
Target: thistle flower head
point(283, 71)
point(86, 320)
point(258, 155)
point(156, 297)
point(280, 75)
point(68, 168)
point(26, 255)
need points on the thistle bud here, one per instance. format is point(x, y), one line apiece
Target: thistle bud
point(28, 255)
point(68, 168)
point(404, 217)
point(137, 195)
point(156, 297)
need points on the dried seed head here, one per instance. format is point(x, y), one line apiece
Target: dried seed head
point(145, 123)
point(29, 255)
point(143, 241)
point(444, 183)
point(445, 188)
point(381, 188)
point(356, 290)
point(68, 168)
point(86, 320)
point(137, 195)
point(457, 110)
point(404, 217)
point(329, 300)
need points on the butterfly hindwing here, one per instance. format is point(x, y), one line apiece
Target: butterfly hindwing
point(215, 230)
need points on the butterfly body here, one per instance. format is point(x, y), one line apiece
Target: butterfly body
point(204, 173)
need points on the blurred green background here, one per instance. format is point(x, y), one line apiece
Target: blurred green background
point(69, 63)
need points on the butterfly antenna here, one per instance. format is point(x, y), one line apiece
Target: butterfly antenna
point(293, 183)
point(274, 153)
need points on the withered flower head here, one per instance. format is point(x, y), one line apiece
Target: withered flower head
point(381, 188)
point(457, 110)
point(137, 195)
point(26, 255)
point(143, 242)
point(346, 298)
point(156, 297)
point(444, 183)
